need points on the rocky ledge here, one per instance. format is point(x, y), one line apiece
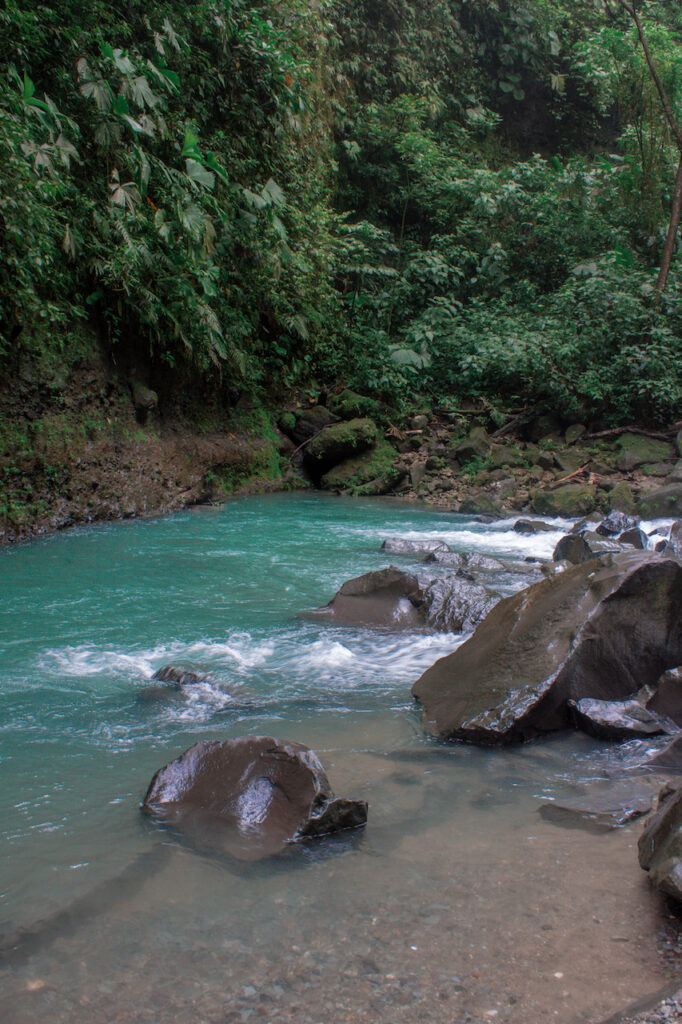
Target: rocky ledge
point(461, 462)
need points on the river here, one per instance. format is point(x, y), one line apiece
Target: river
point(457, 903)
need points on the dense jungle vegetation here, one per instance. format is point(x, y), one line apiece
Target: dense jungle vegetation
point(450, 199)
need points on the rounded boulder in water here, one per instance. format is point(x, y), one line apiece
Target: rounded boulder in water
point(250, 797)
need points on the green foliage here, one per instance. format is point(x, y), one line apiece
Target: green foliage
point(407, 199)
point(472, 267)
point(159, 177)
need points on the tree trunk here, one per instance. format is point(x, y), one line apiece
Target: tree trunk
point(671, 237)
point(673, 226)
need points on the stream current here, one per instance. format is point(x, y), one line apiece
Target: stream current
point(458, 903)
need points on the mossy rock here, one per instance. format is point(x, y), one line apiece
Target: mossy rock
point(574, 432)
point(287, 423)
point(570, 459)
point(341, 441)
point(663, 502)
point(661, 469)
point(350, 405)
point(476, 446)
point(479, 504)
point(636, 450)
point(621, 499)
point(373, 472)
point(568, 501)
point(543, 427)
point(505, 455)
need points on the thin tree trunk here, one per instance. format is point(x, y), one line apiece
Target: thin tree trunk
point(674, 223)
point(665, 99)
point(671, 237)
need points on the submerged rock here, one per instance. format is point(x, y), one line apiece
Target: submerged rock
point(401, 546)
point(602, 629)
point(617, 719)
point(179, 677)
point(388, 597)
point(249, 797)
point(603, 805)
point(660, 845)
point(173, 683)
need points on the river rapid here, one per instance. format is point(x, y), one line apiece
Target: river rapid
point(457, 903)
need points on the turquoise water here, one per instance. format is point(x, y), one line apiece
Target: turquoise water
point(88, 616)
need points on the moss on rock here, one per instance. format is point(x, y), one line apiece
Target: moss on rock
point(350, 405)
point(665, 501)
point(372, 472)
point(621, 499)
point(571, 500)
point(341, 441)
point(636, 450)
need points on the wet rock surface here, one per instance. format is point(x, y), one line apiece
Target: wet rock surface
point(665, 1007)
point(249, 797)
point(667, 697)
point(669, 759)
point(635, 537)
point(401, 546)
point(179, 677)
point(614, 523)
point(577, 548)
point(617, 719)
point(530, 527)
point(465, 561)
point(457, 604)
point(393, 599)
point(388, 598)
point(660, 845)
point(602, 630)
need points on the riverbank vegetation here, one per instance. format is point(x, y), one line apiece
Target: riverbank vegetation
point(442, 202)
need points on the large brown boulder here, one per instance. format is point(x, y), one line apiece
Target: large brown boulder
point(388, 598)
point(660, 845)
point(249, 797)
point(602, 629)
point(393, 599)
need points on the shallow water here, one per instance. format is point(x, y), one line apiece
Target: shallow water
point(457, 903)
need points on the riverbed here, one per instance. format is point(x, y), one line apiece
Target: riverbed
point(457, 903)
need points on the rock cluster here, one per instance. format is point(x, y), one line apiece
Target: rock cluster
point(547, 467)
point(602, 629)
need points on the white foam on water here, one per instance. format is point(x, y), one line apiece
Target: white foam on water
point(324, 654)
point(492, 542)
point(240, 654)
